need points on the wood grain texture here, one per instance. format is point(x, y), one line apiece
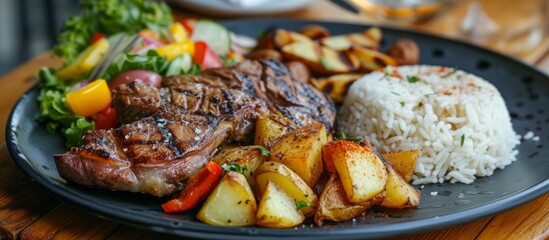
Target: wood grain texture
point(463, 231)
point(21, 201)
point(68, 222)
point(528, 221)
point(15, 83)
point(28, 212)
point(131, 233)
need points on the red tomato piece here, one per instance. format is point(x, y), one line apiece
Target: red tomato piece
point(205, 56)
point(96, 36)
point(188, 24)
point(106, 119)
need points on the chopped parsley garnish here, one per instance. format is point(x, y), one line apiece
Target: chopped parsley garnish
point(344, 137)
point(429, 94)
point(264, 151)
point(386, 74)
point(454, 70)
point(234, 167)
point(402, 103)
point(462, 139)
point(395, 93)
point(420, 104)
point(413, 79)
point(301, 204)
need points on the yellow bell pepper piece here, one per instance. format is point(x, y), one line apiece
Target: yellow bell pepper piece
point(90, 99)
point(173, 50)
point(178, 33)
point(85, 61)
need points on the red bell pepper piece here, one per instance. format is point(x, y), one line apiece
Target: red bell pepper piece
point(106, 118)
point(198, 187)
point(96, 36)
point(188, 24)
point(205, 56)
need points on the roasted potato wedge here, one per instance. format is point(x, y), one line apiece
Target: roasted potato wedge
point(249, 157)
point(301, 151)
point(315, 32)
point(299, 70)
point(334, 206)
point(270, 127)
point(232, 203)
point(399, 193)
point(320, 59)
point(289, 181)
point(265, 54)
point(370, 60)
point(362, 173)
point(404, 162)
point(276, 209)
point(336, 86)
point(328, 148)
point(278, 38)
point(370, 38)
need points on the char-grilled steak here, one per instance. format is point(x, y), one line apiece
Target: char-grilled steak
point(168, 133)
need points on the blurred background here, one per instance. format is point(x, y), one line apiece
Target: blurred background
point(29, 27)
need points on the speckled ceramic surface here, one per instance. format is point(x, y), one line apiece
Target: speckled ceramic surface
point(525, 90)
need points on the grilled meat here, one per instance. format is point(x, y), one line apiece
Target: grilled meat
point(169, 133)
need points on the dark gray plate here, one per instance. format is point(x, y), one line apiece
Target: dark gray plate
point(525, 89)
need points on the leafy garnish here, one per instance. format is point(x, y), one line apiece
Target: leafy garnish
point(264, 151)
point(152, 61)
point(229, 61)
point(301, 204)
point(462, 139)
point(109, 17)
point(344, 137)
point(54, 112)
point(395, 93)
point(454, 70)
point(234, 167)
point(413, 79)
point(402, 103)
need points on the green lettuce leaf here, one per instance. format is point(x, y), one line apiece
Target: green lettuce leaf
point(109, 17)
point(54, 113)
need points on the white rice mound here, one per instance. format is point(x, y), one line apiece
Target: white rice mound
point(458, 120)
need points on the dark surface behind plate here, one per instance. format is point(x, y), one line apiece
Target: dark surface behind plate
point(525, 90)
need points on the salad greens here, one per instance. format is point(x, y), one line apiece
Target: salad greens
point(117, 16)
point(54, 112)
point(153, 62)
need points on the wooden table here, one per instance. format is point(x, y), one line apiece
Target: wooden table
point(29, 212)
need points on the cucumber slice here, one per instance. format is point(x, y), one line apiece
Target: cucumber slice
point(214, 34)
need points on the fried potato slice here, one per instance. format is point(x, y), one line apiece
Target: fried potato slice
point(232, 203)
point(370, 60)
point(301, 151)
point(362, 173)
point(399, 193)
point(276, 209)
point(288, 181)
point(246, 157)
point(370, 38)
point(278, 38)
point(270, 127)
point(320, 59)
point(334, 206)
point(336, 86)
point(404, 162)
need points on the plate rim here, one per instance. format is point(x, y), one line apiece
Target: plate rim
point(207, 231)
